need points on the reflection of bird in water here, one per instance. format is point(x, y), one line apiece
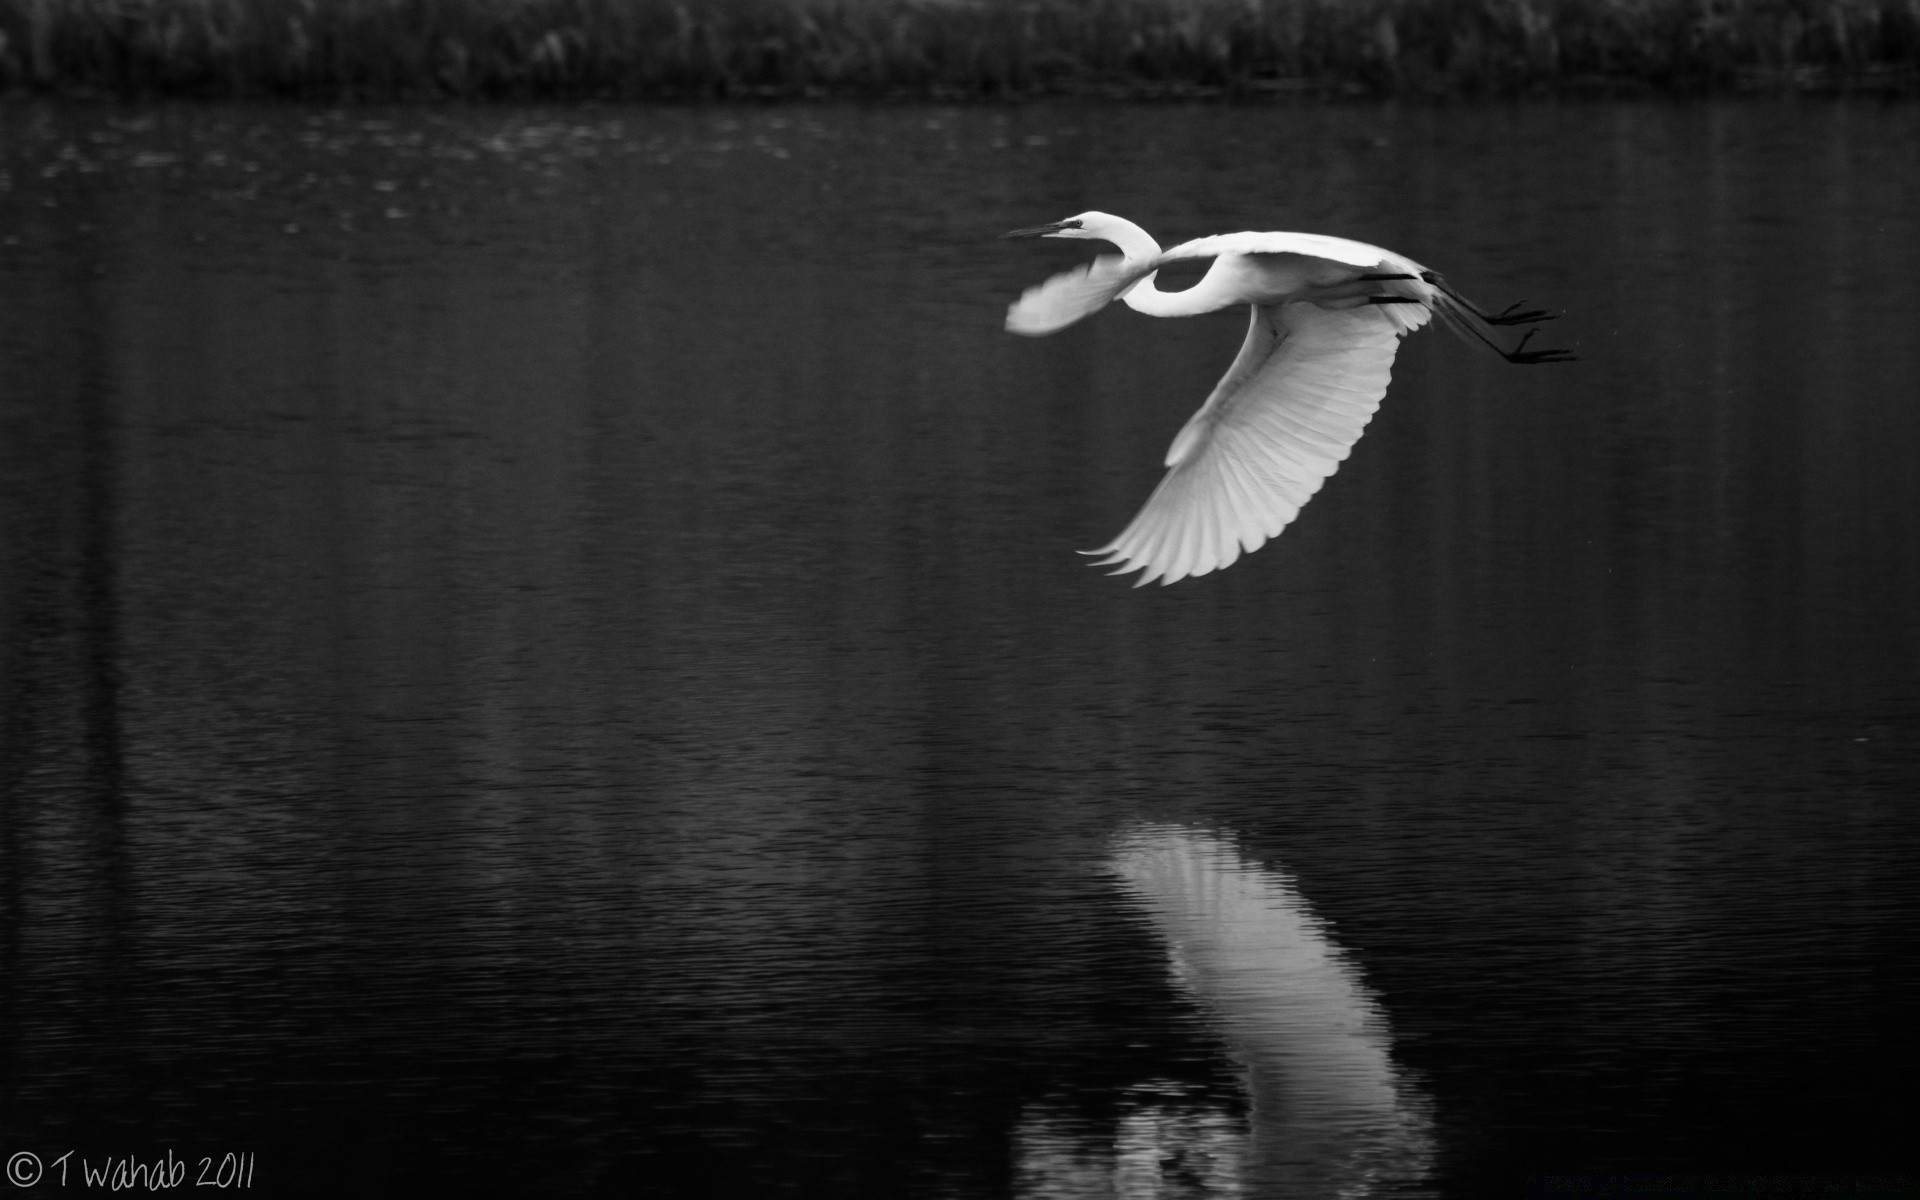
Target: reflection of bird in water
point(1333, 1114)
point(1328, 315)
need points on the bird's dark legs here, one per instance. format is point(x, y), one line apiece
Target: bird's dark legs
point(1351, 293)
point(1506, 316)
point(1519, 354)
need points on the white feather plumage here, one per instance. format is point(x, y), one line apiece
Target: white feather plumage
point(1327, 317)
point(1258, 450)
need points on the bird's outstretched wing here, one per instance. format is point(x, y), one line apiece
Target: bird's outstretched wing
point(1281, 420)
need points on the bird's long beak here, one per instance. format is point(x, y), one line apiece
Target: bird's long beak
point(1041, 230)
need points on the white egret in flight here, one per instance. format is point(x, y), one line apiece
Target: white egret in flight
point(1327, 316)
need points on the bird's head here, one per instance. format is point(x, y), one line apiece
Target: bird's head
point(1134, 242)
point(1097, 226)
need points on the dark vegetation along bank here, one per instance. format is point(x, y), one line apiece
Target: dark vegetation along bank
point(948, 48)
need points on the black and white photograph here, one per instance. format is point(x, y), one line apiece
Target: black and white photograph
point(960, 599)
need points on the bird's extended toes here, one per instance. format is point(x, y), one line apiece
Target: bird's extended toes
point(1531, 316)
point(1520, 354)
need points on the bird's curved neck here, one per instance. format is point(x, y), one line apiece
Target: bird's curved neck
point(1138, 246)
point(1145, 297)
point(1134, 242)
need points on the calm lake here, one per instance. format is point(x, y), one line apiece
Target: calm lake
point(542, 651)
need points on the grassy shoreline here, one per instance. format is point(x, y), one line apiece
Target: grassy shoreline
point(949, 49)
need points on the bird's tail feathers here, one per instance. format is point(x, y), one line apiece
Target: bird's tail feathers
point(1071, 295)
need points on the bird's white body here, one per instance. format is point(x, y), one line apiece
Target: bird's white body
point(1327, 317)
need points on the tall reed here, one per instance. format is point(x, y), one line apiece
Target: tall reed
point(945, 48)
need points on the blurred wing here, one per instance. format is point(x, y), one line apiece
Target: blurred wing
point(1283, 418)
point(1070, 295)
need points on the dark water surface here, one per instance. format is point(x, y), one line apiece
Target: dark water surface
point(543, 651)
